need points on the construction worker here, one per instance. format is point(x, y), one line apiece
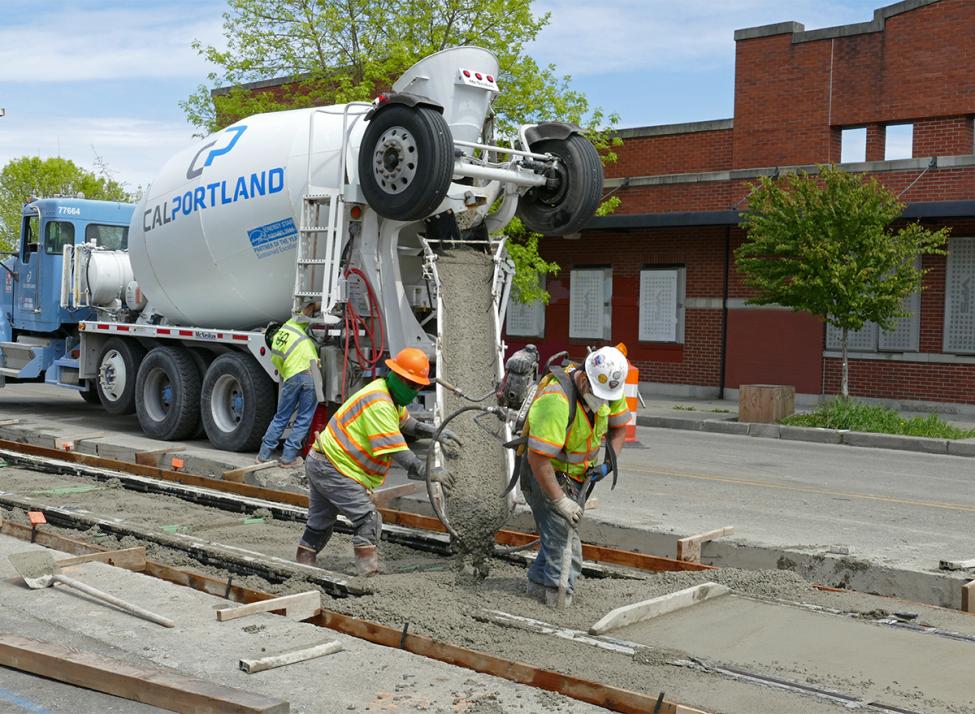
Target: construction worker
point(294, 354)
point(352, 455)
point(561, 457)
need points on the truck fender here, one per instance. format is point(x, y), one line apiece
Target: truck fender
point(550, 130)
point(411, 100)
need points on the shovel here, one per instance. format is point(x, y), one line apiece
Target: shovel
point(38, 569)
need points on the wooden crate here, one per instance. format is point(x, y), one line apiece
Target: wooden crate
point(766, 403)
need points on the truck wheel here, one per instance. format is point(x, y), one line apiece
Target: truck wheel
point(569, 205)
point(118, 365)
point(202, 358)
point(406, 161)
point(238, 402)
point(167, 394)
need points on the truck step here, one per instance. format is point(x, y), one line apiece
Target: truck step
point(8, 372)
point(17, 355)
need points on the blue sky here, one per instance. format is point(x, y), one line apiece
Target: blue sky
point(80, 78)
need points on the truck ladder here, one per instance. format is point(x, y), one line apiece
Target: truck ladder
point(322, 230)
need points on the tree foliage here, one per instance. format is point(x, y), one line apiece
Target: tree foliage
point(30, 176)
point(338, 51)
point(824, 245)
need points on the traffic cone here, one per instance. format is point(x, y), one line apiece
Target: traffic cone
point(632, 392)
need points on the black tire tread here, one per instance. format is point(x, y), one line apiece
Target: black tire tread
point(186, 389)
point(265, 402)
point(132, 353)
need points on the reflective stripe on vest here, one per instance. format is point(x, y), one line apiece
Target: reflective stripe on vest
point(291, 351)
point(363, 433)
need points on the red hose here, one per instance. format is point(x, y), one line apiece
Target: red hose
point(356, 323)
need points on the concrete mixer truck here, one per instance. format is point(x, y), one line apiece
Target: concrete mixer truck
point(161, 308)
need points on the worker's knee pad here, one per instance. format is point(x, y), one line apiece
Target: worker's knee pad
point(315, 539)
point(368, 528)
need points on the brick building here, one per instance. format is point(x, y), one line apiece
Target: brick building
point(663, 279)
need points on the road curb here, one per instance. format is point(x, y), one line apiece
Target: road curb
point(813, 435)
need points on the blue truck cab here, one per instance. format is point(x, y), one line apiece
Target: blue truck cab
point(39, 338)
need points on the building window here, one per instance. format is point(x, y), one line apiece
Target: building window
point(899, 142)
point(590, 308)
point(960, 296)
point(662, 304)
point(853, 145)
point(524, 319)
point(904, 336)
point(57, 235)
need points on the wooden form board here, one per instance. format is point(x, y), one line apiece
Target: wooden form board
point(151, 457)
point(237, 475)
point(689, 549)
point(259, 665)
point(167, 690)
point(67, 443)
point(384, 496)
point(300, 606)
point(654, 607)
point(765, 403)
point(968, 597)
point(957, 564)
point(128, 558)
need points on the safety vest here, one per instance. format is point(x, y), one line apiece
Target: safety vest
point(573, 449)
point(363, 434)
point(292, 349)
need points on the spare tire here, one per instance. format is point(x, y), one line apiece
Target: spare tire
point(406, 161)
point(566, 207)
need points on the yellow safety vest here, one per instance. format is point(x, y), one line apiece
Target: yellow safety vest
point(572, 450)
point(292, 349)
point(363, 433)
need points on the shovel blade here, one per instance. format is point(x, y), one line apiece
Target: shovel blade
point(36, 567)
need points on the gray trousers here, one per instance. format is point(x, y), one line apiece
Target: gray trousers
point(554, 531)
point(329, 494)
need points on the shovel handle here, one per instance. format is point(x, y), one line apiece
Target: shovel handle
point(127, 606)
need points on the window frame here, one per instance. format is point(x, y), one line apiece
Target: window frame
point(538, 318)
point(607, 314)
point(680, 302)
point(124, 229)
point(949, 284)
point(47, 236)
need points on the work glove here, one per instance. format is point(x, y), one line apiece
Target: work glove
point(568, 509)
point(598, 473)
point(442, 476)
point(450, 438)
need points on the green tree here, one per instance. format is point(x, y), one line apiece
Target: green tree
point(339, 51)
point(824, 245)
point(31, 176)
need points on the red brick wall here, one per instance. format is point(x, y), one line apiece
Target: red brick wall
point(917, 381)
point(673, 154)
point(943, 137)
point(876, 142)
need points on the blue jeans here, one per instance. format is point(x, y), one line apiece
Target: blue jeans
point(298, 392)
point(553, 530)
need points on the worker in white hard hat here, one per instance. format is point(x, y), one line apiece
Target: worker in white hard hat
point(562, 456)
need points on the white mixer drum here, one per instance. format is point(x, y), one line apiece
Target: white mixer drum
point(213, 241)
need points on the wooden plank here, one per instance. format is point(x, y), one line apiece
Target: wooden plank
point(48, 540)
point(128, 558)
point(151, 457)
point(957, 564)
point(384, 496)
point(237, 475)
point(968, 597)
point(155, 687)
point(689, 549)
point(654, 607)
point(259, 665)
point(299, 606)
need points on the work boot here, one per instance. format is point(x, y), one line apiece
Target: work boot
point(367, 560)
point(552, 597)
point(535, 590)
point(306, 556)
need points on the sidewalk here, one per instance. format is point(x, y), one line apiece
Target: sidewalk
point(721, 416)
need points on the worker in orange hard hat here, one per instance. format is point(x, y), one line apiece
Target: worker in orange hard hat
point(352, 455)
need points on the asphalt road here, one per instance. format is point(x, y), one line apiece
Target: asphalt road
point(895, 507)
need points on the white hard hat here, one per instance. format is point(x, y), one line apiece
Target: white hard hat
point(606, 369)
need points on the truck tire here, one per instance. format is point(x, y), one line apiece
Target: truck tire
point(406, 161)
point(118, 366)
point(567, 207)
point(202, 358)
point(167, 394)
point(238, 402)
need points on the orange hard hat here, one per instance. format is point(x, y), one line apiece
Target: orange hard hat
point(412, 364)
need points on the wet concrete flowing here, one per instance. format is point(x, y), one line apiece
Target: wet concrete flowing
point(470, 362)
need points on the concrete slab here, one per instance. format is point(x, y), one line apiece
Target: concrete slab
point(891, 441)
point(812, 435)
point(668, 422)
point(725, 427)
point(200, 646)
point(767, 431)
point(962, 448)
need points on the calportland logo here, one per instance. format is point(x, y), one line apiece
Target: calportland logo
point(193, 171)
